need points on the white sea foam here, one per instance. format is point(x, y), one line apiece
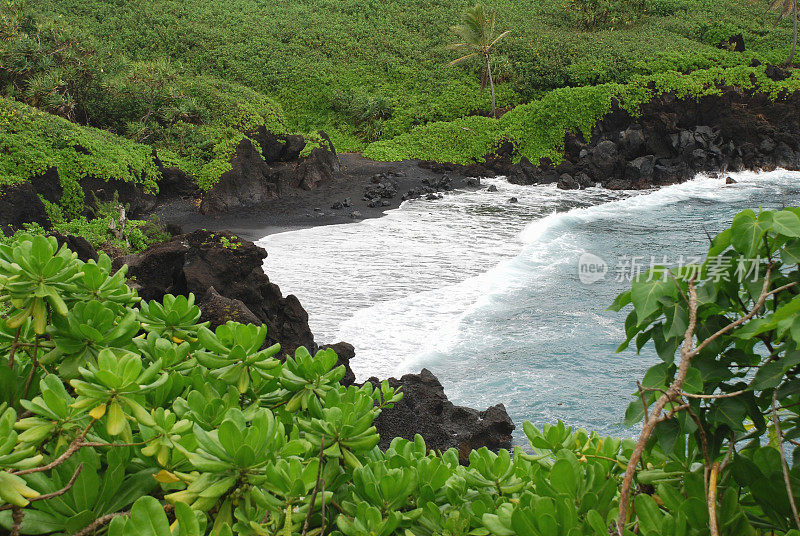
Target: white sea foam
point(407, 288)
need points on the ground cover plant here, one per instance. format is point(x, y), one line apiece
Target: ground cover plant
point(127, 417)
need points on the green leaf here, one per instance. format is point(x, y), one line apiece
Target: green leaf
point(720, 243)
point(656, 376)
point(645, 294)
point(650, 517)
point(563, 477)
point(786, 223)
point(730, 411)
point(790, 254)
point(634, 413)
point(189, 526)
point(148, 517)
point(693, 382)
point(620, 301)
point(768, 376)
point(522, 521)
point(748, 230)
point(677, 321)
point(35, 522)
point(667, 433)
point(598, 524)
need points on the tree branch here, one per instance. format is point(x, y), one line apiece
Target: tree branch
point(99, 522)
point(647, 430)
point(785, 465)
point(711, 500)
point(16, 517)
point(748, 316)
point(316, 487)
point(74, 447)
point(46, 496)
point(707, 397)
point(674, 391)
point(103, 520)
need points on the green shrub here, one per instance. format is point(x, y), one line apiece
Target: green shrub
point(396, 51)
point(593, 14)
point(33, 142)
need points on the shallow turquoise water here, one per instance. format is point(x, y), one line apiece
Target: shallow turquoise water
point(486, 293)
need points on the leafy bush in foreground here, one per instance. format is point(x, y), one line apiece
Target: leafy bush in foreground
point(130, 418)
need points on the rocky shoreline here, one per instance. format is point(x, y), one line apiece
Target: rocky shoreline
point(275, 186)
point(668, 142)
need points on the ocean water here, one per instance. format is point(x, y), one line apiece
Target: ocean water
point(487, 294)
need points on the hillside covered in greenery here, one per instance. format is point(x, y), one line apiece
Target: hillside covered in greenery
point(126, 416)
point(366, 71)
point(192, 79)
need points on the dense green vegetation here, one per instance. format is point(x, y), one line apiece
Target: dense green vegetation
point(192, 78)
point(123, 417)
point(537, 129)
point(129, 418)
point(32, 142)
point(193, 121)
point(307, 54)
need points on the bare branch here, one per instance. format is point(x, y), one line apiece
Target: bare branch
point(707, 397)
point(46, 496)
point(760, 303)
point(779, 435)
point(99, 522)
point(74, 447)
point(16, 520)
point(672, 393)
point(104, 520)
point(316, 487)
point(644, 402)
point(729, 455)
point(711, 500)
point(675, 392)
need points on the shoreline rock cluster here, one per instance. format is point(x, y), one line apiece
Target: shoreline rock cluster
point(670, 141)
point(275, 170)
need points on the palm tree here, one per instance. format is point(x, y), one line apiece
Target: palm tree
point(476, 32)
point(785, 7)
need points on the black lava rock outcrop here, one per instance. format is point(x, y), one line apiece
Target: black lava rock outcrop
point(381, 187)
point(425, 410)
point(272, 169)
point(430, 188)
point(20, 204)
point(670, 141)
point(79, 245)
point(226, 276)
